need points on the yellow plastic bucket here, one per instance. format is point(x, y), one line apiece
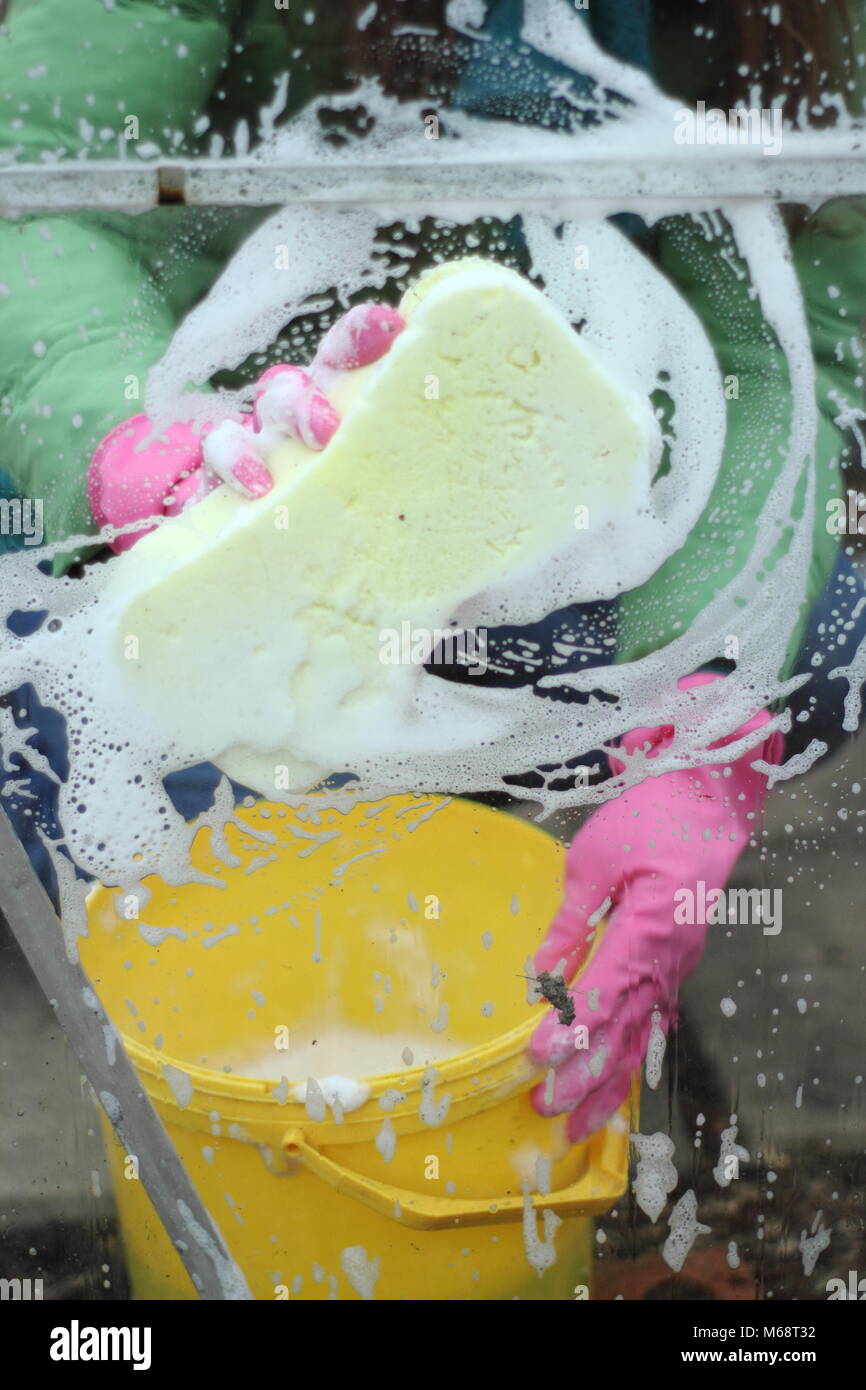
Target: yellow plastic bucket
point(410, 918)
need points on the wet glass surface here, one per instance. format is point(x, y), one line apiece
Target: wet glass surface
point(717, 349)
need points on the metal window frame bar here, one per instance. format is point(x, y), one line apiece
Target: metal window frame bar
point(815, 171)
point(102, 1056)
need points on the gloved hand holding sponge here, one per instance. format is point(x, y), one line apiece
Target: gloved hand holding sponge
point(135, 474)
point(623, 866)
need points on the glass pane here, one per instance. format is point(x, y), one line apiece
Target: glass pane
point(428, 618)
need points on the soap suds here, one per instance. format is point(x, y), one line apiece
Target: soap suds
point(386, 1140)
point(655, 1175)
point(180, 1084)
point(361, 1271)
point(431, 1110)
point(540, 1250)
point(341, 1051)
point(812, 1246)
point(341, 1093)
point(684, 1231)
point(731, 1155)
point(655, 1054)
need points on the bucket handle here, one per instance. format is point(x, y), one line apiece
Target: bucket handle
point(592, 1193)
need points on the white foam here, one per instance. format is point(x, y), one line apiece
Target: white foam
point(728, 1149)
point(540, 1250)
point(655, 1175)
point(449, 738)
point(361, 1271)
point(339, 1092)
point(344, 1051)
point(684, 1231)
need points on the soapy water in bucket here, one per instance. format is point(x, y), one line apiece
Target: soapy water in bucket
point(354, 1053)
point(118, 822)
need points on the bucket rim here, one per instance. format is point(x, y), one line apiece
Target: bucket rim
point(502, 1065)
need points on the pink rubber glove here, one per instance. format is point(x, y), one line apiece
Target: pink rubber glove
point(127, 483)
point(633, 854)
point(360, 337)
point(290, 400)
point(129, 480)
